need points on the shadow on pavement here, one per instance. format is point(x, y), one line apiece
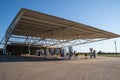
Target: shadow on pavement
point(11, 58)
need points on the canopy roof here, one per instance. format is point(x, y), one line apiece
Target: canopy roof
point(35, 24)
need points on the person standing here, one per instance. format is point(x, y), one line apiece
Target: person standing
point(85, 55)
point(94, 53)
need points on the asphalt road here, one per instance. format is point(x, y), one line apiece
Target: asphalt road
point(17, 68)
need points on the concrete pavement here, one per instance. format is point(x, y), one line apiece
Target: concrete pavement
point(106, 68)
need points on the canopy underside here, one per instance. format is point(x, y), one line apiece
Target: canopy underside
point(31, 27)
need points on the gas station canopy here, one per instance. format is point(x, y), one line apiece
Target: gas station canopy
point(35, 28)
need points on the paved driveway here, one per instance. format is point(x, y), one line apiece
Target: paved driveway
point(104, 68)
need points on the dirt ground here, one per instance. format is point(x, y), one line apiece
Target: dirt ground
point(102, 68)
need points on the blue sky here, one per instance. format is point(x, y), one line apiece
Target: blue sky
point(103, 14)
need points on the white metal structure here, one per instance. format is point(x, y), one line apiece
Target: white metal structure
point(38, 29)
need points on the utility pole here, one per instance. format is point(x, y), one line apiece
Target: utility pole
point(115, 47)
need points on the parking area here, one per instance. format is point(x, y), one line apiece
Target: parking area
point(101, 68)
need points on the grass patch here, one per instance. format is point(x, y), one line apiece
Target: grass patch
point(103, 54)
point(109, 55)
